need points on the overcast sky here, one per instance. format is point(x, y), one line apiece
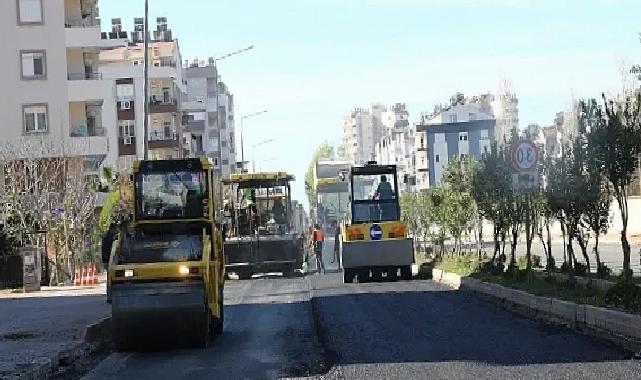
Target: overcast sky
point(315, 60)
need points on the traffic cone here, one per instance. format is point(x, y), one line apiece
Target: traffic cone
point(85, 275)
point(77, 279)
point(94, 274)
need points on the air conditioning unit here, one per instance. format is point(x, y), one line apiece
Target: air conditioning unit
point(127, 140)
point(125, 105)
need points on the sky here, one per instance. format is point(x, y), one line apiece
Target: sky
point(315, 60)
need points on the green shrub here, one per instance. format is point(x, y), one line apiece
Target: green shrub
point(536, 262)
point(603, 271)
point(624, 294)
point(581, 269)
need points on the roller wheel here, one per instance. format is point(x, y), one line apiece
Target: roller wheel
point(377, 274)
point(348, 276)
point(406, 272)
point(363, 275)
point(217, 323)
point(201, 339)
point(392, 274)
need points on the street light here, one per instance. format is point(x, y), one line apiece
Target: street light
point(242, 143)
point(254, 148)
point(222, 57)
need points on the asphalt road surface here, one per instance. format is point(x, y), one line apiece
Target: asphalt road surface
point(318, 327)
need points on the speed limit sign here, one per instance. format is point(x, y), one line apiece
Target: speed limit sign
point(525, 156)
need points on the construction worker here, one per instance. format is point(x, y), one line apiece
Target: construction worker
point(317, 243)
point(337, 242)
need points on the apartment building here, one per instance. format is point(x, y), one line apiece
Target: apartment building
point(362, 129)
point(396, 145)
point(464, 128)
point(208, 116)
point(506, 113)
point(124, 68)
point(54, 92)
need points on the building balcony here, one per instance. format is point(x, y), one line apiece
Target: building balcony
point(195, 126)
point(88, 86)
point(82, 30)
point(88, 145)
point(161, 106)
point(126, 109)
point(161, 140)
point(84, 130)
point(127, 146)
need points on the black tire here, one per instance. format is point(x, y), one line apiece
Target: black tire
point(377, 274)
point(202, 335)
point(348, 276)
point(218, 323)
point(245, 274)
point(363, 275)
point(406, 272)
point(392, 274)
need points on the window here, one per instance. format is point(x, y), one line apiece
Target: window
point(462, 136)
point(136, 63)
point(33, 64)
point(29, 12)
point(437, 158)
point(127, 128)
point(223, 144)
point(125, 92)
point(452, 118)
point(472, 116)
point(484, 134)
point(225, 162)
point(35, 118)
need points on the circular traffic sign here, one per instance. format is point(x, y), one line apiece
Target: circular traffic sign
point(525, 156)
point(375, 232)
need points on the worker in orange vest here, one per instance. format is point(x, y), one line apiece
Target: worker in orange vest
point(318, 237)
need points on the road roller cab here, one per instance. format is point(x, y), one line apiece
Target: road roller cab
point(374, 242)
point(166, 270)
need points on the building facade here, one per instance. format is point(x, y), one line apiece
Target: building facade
point(208, 118)
point(55, 92)
point(124, 68)
point(396, 146)
point(362, 129)
point(438, 143)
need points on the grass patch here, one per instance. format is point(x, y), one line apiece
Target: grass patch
point(463, 265)
point(547, 287)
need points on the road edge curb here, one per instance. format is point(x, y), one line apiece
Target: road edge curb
point(95, 337)
point(621, 329)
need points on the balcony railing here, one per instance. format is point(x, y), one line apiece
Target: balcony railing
point(83, 130)
point(84, 76)
point(162, 136)
point(86, 21)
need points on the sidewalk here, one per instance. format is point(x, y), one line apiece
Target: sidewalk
point(36, 328)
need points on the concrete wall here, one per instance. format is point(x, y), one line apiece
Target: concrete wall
point(49, 37)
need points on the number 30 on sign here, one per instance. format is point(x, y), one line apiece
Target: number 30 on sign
point(525, 156)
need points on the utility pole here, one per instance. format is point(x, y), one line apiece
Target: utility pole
point(146, 86)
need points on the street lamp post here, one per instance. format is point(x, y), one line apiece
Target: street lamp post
point(242, 142)
point(225, 56)
point(146, 85)
point(254, 148)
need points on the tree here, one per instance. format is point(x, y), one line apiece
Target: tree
point(490, 189)
point(615, 141)
point(323, 152)
point(49, 189)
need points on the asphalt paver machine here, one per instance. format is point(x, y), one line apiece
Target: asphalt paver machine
point(262, 237)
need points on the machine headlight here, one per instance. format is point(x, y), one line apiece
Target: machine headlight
point(183, 269)
point(129, 272)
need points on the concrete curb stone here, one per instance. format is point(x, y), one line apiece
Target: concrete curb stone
point(622, 328)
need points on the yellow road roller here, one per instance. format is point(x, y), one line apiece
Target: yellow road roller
point(166, 271)
point(374, 242)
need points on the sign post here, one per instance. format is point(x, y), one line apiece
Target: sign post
point(525, 159)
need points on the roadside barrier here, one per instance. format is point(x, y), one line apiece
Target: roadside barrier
point(86, 275)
